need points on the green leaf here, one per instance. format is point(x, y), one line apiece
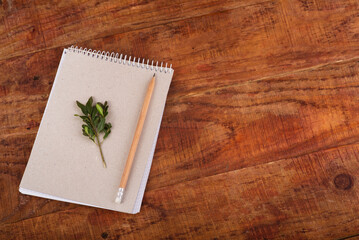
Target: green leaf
point(105, 109)
point(101, 125)
point(99, 103)
point(106, 134)
point(87, 121)
point(89, 105)
point(82, 107)
point(89, 101)
point(91, 131)
point(96, 121)
point(86, 130)
point(108, 126)
point(99, 109)
point(94, 112)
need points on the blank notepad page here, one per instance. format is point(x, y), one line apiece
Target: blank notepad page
point(64, 165)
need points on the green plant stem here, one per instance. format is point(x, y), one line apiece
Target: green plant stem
point(98, 143)
point(99, 146)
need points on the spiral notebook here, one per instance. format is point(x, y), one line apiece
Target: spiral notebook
point(66, 166)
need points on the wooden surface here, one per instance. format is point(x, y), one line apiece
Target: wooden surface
point(260, 135)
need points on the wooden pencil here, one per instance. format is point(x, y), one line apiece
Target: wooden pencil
point(135, 141)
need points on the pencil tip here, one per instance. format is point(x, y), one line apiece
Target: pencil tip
point(154, 74)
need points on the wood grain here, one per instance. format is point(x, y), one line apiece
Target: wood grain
point(256, 122)
point(295, 198)
point(259, 137)
point(32, 27)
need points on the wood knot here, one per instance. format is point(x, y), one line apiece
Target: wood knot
point(104, 235)
point(343, 181)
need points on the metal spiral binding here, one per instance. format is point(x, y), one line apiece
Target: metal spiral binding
point(116, 58)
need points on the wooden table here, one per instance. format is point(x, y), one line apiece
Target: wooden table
point(260, 135)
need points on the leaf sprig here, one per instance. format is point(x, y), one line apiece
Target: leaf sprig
point(95, 122)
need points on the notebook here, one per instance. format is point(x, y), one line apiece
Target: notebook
point(64, 165)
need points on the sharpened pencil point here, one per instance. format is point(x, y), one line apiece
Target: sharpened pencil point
point(154, 74)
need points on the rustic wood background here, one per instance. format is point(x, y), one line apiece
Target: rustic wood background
point(260, 135)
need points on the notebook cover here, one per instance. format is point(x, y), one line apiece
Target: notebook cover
point(65, 164)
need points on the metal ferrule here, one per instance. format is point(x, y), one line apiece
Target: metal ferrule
point(119, 195)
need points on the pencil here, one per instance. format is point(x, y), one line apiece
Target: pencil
point(136, 138)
